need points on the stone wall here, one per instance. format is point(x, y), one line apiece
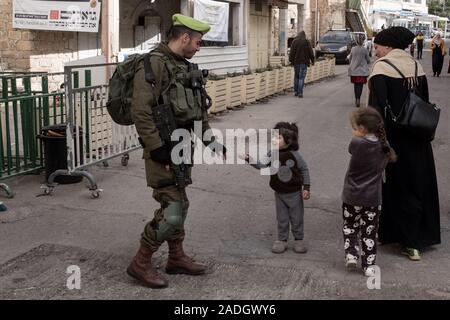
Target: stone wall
point(33, 50)
point(324, 17)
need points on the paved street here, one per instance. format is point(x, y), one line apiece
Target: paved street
point(231, 223)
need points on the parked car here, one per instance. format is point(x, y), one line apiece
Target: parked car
point(336, 42)
point(366, 42)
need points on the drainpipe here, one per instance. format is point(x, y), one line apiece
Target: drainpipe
point(316, 27)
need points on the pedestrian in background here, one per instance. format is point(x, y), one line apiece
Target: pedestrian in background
point(410, 214)
point(419, 43)
point(301, 56)
point(361, 196)
point(291, 184)
point(438, 52)
point(358, 69)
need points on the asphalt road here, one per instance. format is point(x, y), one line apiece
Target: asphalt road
point(231, 223)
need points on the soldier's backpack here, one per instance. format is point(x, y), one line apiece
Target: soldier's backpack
point(186, 106)
point(121, 90)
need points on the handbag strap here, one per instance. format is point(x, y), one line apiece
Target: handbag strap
point(398, 70)
point(388, 107)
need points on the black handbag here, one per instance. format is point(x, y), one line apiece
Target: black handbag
point(418, 117)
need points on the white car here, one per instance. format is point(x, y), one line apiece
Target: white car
point(367, 43)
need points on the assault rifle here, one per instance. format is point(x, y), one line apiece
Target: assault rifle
point(165, 122)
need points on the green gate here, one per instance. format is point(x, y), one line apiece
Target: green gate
point(26, 106)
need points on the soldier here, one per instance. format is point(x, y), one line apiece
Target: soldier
point(172, 85)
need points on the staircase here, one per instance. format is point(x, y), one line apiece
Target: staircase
point(356, 18)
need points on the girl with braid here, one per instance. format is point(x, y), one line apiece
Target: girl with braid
point(361, 196)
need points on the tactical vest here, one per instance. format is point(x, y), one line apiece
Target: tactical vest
point(186, 101)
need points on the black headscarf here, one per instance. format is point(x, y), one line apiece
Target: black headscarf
point(395, 37)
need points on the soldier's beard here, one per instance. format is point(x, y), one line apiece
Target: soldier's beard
point(189, 51)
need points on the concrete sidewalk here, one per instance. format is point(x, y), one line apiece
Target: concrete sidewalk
point(231, 223)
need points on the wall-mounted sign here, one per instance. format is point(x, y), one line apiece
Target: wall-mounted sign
point(75, 15)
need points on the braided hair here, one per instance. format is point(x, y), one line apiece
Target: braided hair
point(289, 132)
point(371, 120)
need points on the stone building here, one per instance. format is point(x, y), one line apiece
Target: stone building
point(257, 30)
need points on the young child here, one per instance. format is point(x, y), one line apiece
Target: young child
point(361, 196)
point(291, 185)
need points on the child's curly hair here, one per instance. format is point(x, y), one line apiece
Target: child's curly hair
point(289, 132)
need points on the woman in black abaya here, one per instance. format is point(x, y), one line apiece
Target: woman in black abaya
point(410, 212)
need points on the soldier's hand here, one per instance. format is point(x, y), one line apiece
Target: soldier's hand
point(224, 153)
point(244, 157)
point(161, 155)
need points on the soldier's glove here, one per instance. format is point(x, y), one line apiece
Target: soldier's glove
point(161, 155)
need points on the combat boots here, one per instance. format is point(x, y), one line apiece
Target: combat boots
point(179, 262)
point(142, 270)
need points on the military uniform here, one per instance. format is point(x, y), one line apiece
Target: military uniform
point(172, 77)
point(144, 96)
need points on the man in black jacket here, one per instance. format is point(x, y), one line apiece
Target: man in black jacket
point(301, 56)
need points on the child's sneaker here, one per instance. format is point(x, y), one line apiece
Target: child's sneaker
point(370, 271)
point(279, 246)
point(300, 247)
point(413, 254)
point(351, 262)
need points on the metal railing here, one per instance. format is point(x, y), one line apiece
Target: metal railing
point(26, 105)
point(92, 136)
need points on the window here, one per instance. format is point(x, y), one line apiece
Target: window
point(418, 1)
point(258, 5)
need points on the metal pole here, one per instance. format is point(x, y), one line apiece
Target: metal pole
point(315, 22)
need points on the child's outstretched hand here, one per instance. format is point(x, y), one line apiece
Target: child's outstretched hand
point(244, 157)
point(306, 195)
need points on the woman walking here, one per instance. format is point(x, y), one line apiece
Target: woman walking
point(419, 44)
point(358, 69)
point(438, 49)
point(410, 213)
